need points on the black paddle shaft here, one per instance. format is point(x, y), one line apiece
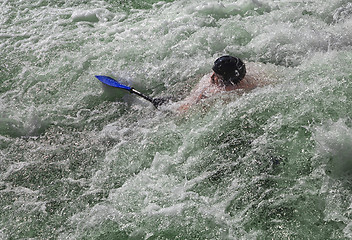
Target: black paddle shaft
point(155, 101)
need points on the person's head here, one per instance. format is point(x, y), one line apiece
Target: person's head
point(230, 69)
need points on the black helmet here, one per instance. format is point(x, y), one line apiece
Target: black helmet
point(230, 68)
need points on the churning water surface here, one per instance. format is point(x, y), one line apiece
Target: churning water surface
point(78, 161)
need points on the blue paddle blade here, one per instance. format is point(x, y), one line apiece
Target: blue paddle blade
point(112, 82)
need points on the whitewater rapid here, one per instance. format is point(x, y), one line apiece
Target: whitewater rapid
point(81, 161)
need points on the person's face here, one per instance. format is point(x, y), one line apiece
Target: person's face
point(217, 79)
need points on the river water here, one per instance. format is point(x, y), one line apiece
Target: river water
point(82, 161)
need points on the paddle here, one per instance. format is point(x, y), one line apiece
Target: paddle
point(113, 83)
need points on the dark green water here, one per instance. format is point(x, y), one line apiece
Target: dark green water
point(81, 162)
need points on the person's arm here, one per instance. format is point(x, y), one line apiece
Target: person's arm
point(196, 94)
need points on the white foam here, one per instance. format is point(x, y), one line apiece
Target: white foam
point(343, 13)
point(334, 140)
point(85, 16)
point(93, 15)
